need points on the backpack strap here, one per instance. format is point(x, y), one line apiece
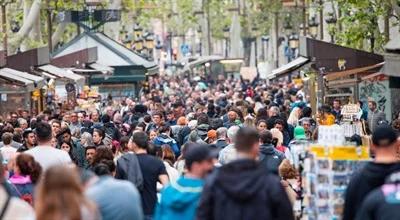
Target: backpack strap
point(4, 209)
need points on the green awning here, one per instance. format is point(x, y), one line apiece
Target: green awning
point(116, 79)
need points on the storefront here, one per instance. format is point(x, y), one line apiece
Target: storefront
point(129, 69)
point(20, 90)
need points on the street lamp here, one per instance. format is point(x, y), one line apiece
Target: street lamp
point(226, 36)
point(150, 44)
point(200, 32)
point(331, 21)
point(137, 31)
point(313, 27)
point(293, 44)
point(255, 33)
point(264, 41)
point(139, 44)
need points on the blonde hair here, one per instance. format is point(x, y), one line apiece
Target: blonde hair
point(287, 171)
point(294, 116)
point(276, 133)
point(60, 195)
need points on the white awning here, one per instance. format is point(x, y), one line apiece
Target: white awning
point(62, 73)
point(26, 82)
point(298, 62)
point(101, 68)
point(38, 81)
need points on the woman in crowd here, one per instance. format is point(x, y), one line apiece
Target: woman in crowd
point(289, 177)
point(67, 147)
point(60, 196)
point(26, 173)
point(261, 125)
point(98, 136)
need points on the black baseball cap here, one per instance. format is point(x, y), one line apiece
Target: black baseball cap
point(384, 136)
point(197, 153)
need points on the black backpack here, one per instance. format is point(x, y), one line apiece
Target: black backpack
point(272, 161)
point(128, 168)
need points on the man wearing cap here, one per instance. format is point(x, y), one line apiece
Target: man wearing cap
point(179, 200)
point(373, 175)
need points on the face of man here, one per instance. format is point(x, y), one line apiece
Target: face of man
point(25, 114)
point(171, 117)
point(279, 127)
point(81, 117)
point(30, 139)
point(55, 127)
point(371, 106)
point(67, 118)
point(14, 117)
point(156, 119)
point(23, 126)
point(74, 118)
point(66, 137)
point(306, 126)
point(336, 105)
point(90, 155)
point(232, 116)
point(95, 116)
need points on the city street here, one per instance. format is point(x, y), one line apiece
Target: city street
point(200, 109)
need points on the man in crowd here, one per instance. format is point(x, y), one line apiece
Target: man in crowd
point(222, 141)
point(29, 140)
point(374, 116)
point(337, 109)
point(179, 200)
point(115, 199)
point(383, 203)
point(90, 151)
point(269, 156)
point(243, 189)
point(75, 126)
point(153, 170)
point(373, 175)
point(157, 120)
point(229, 152)
point(55, 127)
point(44, 153)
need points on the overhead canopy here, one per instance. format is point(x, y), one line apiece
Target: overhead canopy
point(336, 75)
point(101, 68)
point(110, 53)
point(295, 64)
point(201, 60)
point(29, 81)
point(62, 73)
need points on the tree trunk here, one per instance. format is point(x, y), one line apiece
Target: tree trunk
point(396, 7)
point(34, 13)
point(36, 33)
point(58, 33)
point(246, 51)
point(112, 29)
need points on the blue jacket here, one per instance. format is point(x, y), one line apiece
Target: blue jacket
point(164, 139)
point(179, 200)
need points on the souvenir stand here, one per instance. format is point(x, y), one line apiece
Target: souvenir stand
point(326, 168)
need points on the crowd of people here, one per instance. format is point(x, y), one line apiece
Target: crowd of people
point(208, 149)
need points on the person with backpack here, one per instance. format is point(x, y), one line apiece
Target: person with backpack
point(242, 189)
point(270, 157)
point(374, 173)
point(153, 170)
point(26, 173)
point(179, 200)
point(165, 138)
point(384, 202)
point(12, 208)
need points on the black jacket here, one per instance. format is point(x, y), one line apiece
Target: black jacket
point(271, 158)
point(381, 204)
point(243, 190)
point(370, 177)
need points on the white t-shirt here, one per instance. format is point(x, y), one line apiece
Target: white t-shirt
point(8, 152)
point(48, 156)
